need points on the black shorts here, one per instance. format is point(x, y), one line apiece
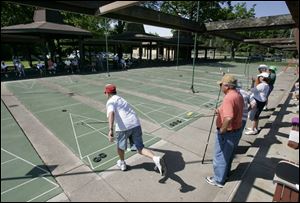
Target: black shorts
point(260, 107)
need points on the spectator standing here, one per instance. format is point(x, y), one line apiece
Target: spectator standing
point(261, 69)
point(272, 78)
point(259, 94)
point(229, 123)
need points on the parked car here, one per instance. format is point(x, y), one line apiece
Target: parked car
point(256, 57)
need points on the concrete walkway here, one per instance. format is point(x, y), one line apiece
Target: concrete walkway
point(253, 166)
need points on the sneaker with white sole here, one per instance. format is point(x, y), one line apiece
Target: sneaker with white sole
point(251, 132)
point(210, 180)
point(257, 129)
point(160, 165)
point(121, 165)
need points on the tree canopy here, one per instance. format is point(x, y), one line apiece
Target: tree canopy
point(208, 11)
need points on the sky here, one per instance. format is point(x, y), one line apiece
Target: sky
point(262, 8)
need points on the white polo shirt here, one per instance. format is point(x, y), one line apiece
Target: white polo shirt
point(125, 116)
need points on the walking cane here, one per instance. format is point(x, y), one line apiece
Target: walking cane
point(211, 126)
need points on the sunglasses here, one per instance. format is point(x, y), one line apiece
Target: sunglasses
point(223, 84)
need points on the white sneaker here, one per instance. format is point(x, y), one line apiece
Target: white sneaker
point(251, 132)
point(160, 165)
point(211, 181)
point(121, 165)
point(257, 129)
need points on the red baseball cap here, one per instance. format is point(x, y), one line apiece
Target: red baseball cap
point(110, 88)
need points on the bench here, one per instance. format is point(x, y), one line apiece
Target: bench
point(287, 182)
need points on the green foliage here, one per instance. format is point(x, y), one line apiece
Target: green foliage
point(94, 24)
point(208, 11)
point(9, 11)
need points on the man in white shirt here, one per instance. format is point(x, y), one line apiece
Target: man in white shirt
point(126, 124)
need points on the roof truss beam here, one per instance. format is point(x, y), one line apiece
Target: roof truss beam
point(272, 41)
point(115, 6)
point(285, 46)
point(252, 24)
point(143, 15)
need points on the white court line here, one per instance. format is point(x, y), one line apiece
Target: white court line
point(145, 114)
point(32, 84)
point(42, 194)
point(2, 193)
point(54, 108)
point(19, 81)
point(191, 97)
point(70, 79)
point(74, 132)
point(24, 183)
point(49, 180)
point(139, 104)
point(90, 162)
point(96, 130)
point(46, 172)
point(156, 110)
point(174, 96)
point(177, 116)
point(9, 161)
point(99, 150)
point(25, 86)
point(4, 119)
point(118, 156)
point(87, 117)
point(24, 160)
point(81, 121)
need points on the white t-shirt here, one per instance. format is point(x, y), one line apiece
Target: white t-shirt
point(3, 66)
point(125, 116)
point(260, 92)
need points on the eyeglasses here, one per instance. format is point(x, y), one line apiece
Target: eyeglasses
point(226, 85)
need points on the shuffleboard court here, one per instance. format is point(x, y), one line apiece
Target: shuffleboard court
point(81, 128)
point(24, 177)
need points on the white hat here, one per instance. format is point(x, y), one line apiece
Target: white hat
point(263, 74)
point(262, 66)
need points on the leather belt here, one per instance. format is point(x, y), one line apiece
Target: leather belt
point(230, 131)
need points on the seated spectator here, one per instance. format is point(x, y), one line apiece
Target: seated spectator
point(4, 69)
point(74, 64)
point(51, 66)
point(116, 60)
point(123, 64)
point(68, 66)
point(128, 63)
point(20, 69)
point(40, 67)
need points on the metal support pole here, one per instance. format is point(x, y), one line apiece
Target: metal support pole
point(106, 33)
point(212, 123)
point(192, 87)
point(177, 49)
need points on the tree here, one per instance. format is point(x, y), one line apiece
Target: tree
point(94, 24)
point(9, 17)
